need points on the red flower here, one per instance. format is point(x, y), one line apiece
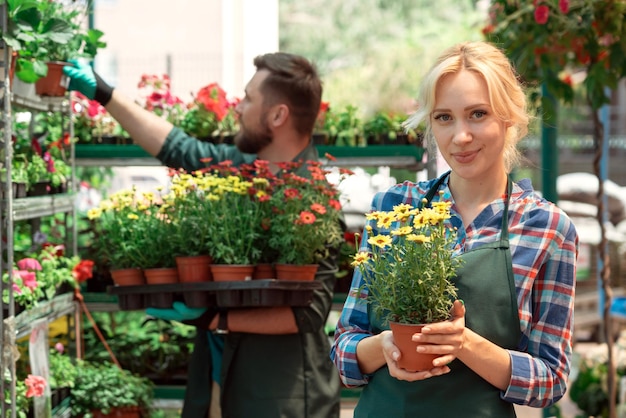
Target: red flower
point(488, 29)
point(335, 204)
point(568, 79)
point(292, 193)
point(35, 385)
point(213, 98)
point(541, 14)
point(564, 6)
point(57, 250)
point(83, 271)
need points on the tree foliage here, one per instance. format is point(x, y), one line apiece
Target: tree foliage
point(373, 52)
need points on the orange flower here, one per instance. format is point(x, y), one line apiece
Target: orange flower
point(316, 207)
point(306, 218)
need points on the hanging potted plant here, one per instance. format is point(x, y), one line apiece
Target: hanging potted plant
point(41, 32)
point(407, 271)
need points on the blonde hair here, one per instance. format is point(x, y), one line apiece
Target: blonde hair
point(506, 94)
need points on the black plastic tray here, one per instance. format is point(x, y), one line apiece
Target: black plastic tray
point(236, 294)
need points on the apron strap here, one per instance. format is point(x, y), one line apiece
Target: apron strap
point(504, 234)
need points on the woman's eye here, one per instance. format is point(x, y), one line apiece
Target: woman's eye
point(442, 117)
point(477, 114)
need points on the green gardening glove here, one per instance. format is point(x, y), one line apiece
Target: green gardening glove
point(179, 312)
point(86, 81)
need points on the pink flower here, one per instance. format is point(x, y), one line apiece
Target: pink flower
point(29, 264)
point(541, 14)
point(49, 162)
point(564, 6)
point(17, 289)
point(35, 385)
point(29, 279)
point(59, 347)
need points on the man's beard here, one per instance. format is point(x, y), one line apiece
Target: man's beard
point(250, 142)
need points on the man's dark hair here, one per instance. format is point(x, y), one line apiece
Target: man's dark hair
point(294, 80)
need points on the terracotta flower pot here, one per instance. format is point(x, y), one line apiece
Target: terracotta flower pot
point(194, 268)
point(264, 271)
point(231, 272)
point(410, 359)
point(161, 275)
point(295, 272)
point(55, 83)
point(128, 277)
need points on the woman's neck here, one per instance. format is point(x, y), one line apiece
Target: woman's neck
point(472, 196)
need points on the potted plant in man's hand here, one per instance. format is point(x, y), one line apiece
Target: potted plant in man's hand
point(40, 32)
point(408, 268)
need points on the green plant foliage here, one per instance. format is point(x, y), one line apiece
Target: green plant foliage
point(409, 268)
point(41, 31)
point(155, 348)
point(100, 387)
point(587, 36)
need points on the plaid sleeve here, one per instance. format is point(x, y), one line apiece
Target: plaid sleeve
point(352, 327)
point(544, 264)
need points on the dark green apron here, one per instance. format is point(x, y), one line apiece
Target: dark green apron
point(486, 284)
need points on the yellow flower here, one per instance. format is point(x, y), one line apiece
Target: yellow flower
point(94, 213)
point(386, 219)
point(360, 258)
point(420, 221)
point(419, 238)
point(442, 208)
point(404, 211)
point(430, 216)
point(403, 230)
point(380, 241)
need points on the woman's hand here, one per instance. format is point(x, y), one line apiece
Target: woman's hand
point(392, 355)
point(445, 338)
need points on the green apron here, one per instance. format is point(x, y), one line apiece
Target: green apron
point(486, 284)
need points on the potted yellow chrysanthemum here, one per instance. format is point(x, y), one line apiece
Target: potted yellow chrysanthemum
point(408, 266)
point(218, 212)
point(116, 241)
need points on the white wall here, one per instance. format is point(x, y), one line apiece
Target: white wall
point(196, 41)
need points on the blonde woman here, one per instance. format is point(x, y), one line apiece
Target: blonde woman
point(509, 337)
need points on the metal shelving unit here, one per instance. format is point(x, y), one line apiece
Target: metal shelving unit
point(16, 326)
point(396, 156)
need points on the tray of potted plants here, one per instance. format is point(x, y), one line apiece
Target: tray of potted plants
point(228, 294)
